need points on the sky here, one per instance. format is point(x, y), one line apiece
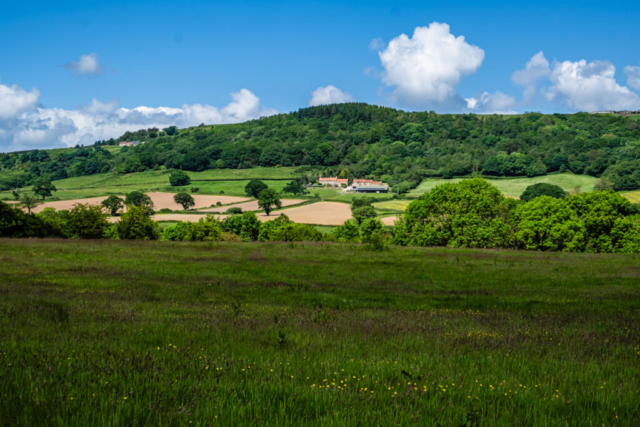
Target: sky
point(73, 72)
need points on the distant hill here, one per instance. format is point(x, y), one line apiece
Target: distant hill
point(363, 140)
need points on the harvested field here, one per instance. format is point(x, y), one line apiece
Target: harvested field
point(389, 220)
point(160, 201)
point(251, 206)
point(67, 204)
point(322, 213)
point(165, 200)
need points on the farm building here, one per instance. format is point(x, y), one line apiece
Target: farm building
point(333, 181)
point(370, 189)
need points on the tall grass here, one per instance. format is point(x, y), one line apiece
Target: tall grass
point(121, 333)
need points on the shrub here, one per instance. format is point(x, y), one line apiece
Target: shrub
point(347, 232)
point(207, 229)
point(15, 223)
point(363, 213)
point(85, 221)
point(136, 224)
point(195, 189)
point(247, 225)
point(234, 211)
point(176, 233)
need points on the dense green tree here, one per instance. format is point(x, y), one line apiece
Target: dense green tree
point(543, 189)
point(179, 178)
point(137, 224)
point(268, 199)
point(247, 225)
point(363, 213)
point(184, 199)
point(472, 213)
point(113, 204)
point(43, 188)
point(347, 232)
point(295, 187)
point(138, 198)
point(548, 224)
point(254, 188)
point(85, 221)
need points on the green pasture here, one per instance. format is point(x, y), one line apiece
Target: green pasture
point(514, 187)
point(177, 334)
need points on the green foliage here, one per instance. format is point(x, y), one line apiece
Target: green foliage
point(234, 211)
point(254, 188)
point(543, 189)
point(295, 187)
point(28, 201)
point(176, 233)
point(371, 233)
point(113, 204)
point(206, 229)
point(137, 224)
point(268, 199)
point(347, 232)
point(548, 224)
point(15, 223)
point(85, 221)
point(138, 198)
point(184, 199)
point(363, 213)
point(43, 188)
point(179, 178)
point(247, 225)
point(472, 213)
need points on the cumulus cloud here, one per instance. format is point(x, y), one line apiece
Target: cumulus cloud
point(88, 65)
point(497, 103)
point(329, 95)
point(14, 100)
point(633, 76)
point(536, 69)
point(427, 68)
point(28, 125)
point(589, 86)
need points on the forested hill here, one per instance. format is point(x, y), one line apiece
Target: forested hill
point(367, 141)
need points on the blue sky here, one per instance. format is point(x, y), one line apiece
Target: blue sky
point(171, 54)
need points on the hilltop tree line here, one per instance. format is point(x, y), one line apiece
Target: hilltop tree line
point(362, 141)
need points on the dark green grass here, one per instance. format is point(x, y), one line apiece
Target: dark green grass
point(122, 333)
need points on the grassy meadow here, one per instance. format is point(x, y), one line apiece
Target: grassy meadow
point(136, 333)
point(514, 187)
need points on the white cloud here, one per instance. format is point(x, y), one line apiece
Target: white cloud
point(38, 127)
point(427, 68)
point(497, 103)
point(86, 66)
point(329, 95)
point(376, 44)
point(536, 69)
point(633, 76)
point(14, 100)
point(584, 86)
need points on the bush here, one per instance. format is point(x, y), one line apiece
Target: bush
point(179, 178)
point(15, 223)
point(363, 213)
point(207, 229)
point(347, 232)
point(136, 224)
point(282, 229)
point(247, 225)
point(234, 211)
point(176, 233)
point(85, 221)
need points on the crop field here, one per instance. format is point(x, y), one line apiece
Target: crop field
point(514, 187)
point(231, 181)
point(252, 206)
point(138, 333)
point(633, 196)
